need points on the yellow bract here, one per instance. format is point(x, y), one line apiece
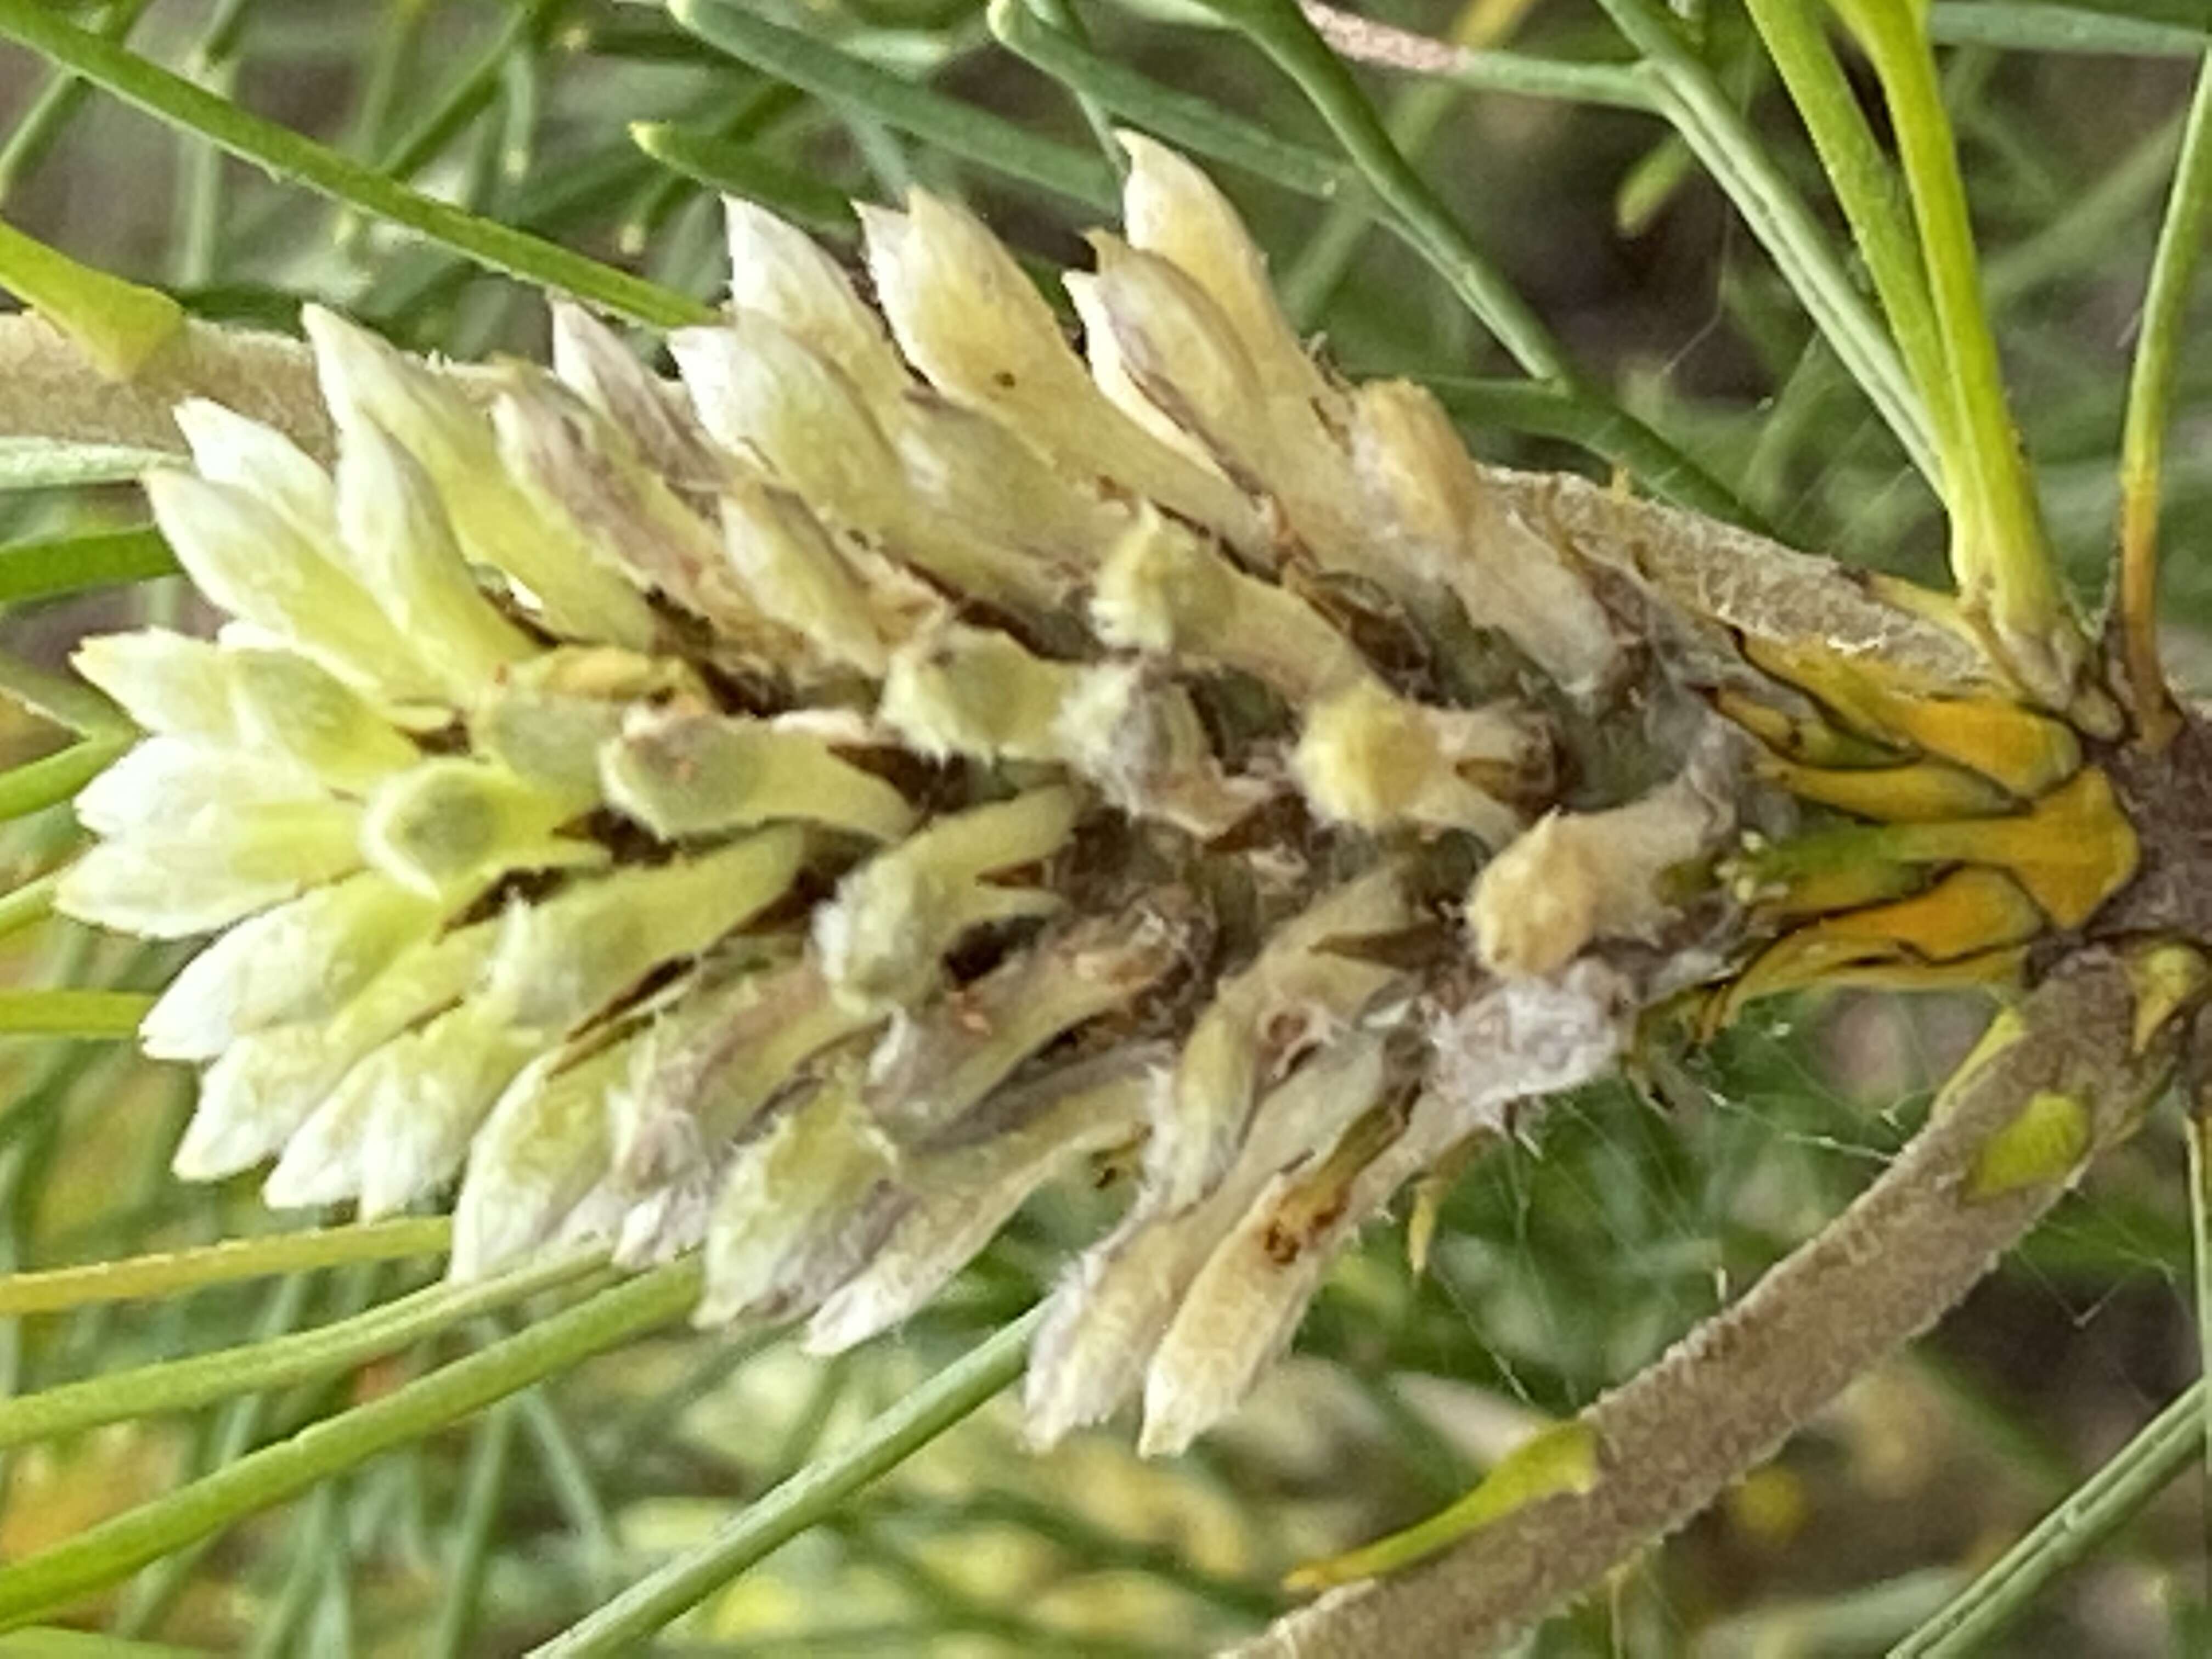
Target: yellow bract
point(2025, 751)
point(1966, 914)
point(2044, 1142)
point(1987, 829)
point(1555, 1461)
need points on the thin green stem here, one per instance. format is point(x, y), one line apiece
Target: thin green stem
point(28, 904)
point(199, 216)
point(59, 1575)
point(174, 1273)
point(746, 115)
point(2001, 555)
point(119, 325)
point(640, 1425)
point(369, 124)
point(48, 1642)
point(1657, 177)
point(1697, 106)
point(62, 698)
point(179, 1385)
point(848, 84)
point(314, 1542)
point(57, 101)
point(1416, 115)
point(224, 31)
point(2150, 404)
point(2041, 27)
point(1199, 126)
point(53, 779)
point(1061, 15)
point(56, 565)
point(1281, 31)
point(1517, 74)
point(2071, 242)
point(289, 155)
point(236, 1428)
point(64, 464)
point(1278, 29)
point(2135, 1474)
point(2197, 1135)
point(469, 95)
point(482, 1489)
point(738, 169)
point(562, 1463)
point(100, 1016)
point(1867, 189)
point(1097, 1547)
point(622, 1625)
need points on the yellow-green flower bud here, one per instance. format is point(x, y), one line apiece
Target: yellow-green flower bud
point(283, 704)
point(967, 317)
point(682, 772)
point(265, 1085)
point(590, 360)
point(425, 1095)
point(583, 471)
point(450, 827)
point(1172, 210)
point(172, 880)
point(301, 961)
point(165, 682)
point(699, 1075)
point(959, 691)
point(245, 454)
point(802, 1206)
point(163, 782)
point(1241, 1307)
point(958, 1197)
point(1370, 758)
point(545, 721)
point(367, 384)
point(1181, 351)
point(1109, 1313)
point(1298, 996)
point(539, 1155)
point(395, 1124)
point(991, 485)
point(881, 938)
point(1163, 592)
point(778, 271)
point(800, 578)
point(933, 1067)
point(396, 533)
point(249, 560)
point(1579, 877)
point(1102, 352)
point(1455, 529)
point(565, 959)
point(760, 391)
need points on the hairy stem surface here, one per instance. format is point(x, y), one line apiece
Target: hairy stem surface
point(1732, 1391)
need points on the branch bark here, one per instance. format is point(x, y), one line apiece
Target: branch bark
point(50, 389)
point(1729, 1395)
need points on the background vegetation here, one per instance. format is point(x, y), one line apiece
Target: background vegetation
point(1560, 1268)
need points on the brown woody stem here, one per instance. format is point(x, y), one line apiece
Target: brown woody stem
point(1731, 1392)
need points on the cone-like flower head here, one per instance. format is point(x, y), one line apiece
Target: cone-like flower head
point(799, 812)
